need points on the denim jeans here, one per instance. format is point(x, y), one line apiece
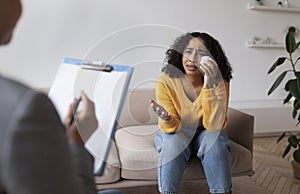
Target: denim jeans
point(212, 148)
point(110, 191)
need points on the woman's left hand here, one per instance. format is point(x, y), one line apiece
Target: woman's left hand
point(210, 70)
point(160, 111)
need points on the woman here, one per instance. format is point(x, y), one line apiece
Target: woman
point(192, 102)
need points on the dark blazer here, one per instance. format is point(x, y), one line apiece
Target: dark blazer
point(35, 157)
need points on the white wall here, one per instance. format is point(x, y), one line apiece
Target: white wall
point(49, 31)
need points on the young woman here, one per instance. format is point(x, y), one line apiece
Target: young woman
point(192, 102)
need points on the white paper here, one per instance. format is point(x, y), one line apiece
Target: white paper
point(106, 89)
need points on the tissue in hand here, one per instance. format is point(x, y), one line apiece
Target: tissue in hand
point(204, 59)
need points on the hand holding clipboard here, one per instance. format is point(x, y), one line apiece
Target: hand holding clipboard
point(81, 124)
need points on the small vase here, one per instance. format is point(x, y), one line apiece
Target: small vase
point(286, 3)
point(296, 169)
point(257, 2)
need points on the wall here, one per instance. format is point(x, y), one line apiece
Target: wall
point(51, 31)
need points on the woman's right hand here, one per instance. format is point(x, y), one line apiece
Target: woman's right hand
point(160, 111)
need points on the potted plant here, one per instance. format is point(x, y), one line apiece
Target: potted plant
point(293, 142)
point(292, 87)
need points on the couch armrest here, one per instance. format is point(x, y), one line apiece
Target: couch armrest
point(240, 128)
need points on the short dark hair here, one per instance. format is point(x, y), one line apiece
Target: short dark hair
point(174, 55)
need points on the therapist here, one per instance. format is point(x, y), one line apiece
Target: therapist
point(38, 154)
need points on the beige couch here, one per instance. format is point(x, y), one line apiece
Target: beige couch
point(132, 161)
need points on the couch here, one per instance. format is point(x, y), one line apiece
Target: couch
point(132, 161)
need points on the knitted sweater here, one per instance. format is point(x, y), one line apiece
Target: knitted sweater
point(209, 109)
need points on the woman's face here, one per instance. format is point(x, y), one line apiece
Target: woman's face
point(192, 55)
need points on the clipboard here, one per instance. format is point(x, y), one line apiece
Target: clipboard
point(106, 85)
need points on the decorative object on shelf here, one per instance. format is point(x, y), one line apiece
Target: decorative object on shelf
point(249, 44)
point(286, 3)
point(254, 6)
point(258, 2)
point(292, 87)
point(256, 39)
point(260, 41)
point(269, 40)
point(279, 4)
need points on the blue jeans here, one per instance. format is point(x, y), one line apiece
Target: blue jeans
point(212, 148)
point(110, 191)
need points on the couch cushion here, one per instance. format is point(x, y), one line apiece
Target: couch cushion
point(137, 152)
point(138, 155)
point(112, 168)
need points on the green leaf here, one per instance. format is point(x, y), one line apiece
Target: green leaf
point(286, 151)
point(290, 42)
point(297, 45)
point(294, 114)
point(297, 73)
point(298, 85)
point(287, 85)
point(281, 137)
point(296, 155)
point(292, 86)
point(279, 61)
point(277, 82)
point(296, 104)
point(295, 110)
point(288, 97)
point(293, 141)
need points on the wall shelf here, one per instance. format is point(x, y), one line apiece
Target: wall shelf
point(272, 8)
point(249, 44)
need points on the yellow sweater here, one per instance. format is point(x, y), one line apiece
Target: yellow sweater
point(209, 109)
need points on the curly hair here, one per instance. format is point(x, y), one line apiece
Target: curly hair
point(174, 55)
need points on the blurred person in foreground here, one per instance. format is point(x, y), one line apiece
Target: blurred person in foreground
point(38, 153)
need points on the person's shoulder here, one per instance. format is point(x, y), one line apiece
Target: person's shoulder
point(12, 87)
point(19, 101)
point(165, 78)
point(14, 93)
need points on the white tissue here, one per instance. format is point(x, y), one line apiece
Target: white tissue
point(204, 59)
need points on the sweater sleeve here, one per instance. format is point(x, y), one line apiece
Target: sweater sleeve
point(165, 97)
point(215, 105)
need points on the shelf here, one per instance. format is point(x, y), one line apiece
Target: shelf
point(272, 8)
point(260, 45)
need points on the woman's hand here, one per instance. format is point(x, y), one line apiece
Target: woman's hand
point(85, 121)
point(210, 70)
point(160, 111)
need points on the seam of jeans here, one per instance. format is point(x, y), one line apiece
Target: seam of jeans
point(220, 190)
point(160, 177)
point(160, 166)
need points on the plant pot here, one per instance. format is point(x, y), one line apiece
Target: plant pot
point(296, 168)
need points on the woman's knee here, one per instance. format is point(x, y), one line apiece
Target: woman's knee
point(172, 146)
point(171, 141)
point(215, 143)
